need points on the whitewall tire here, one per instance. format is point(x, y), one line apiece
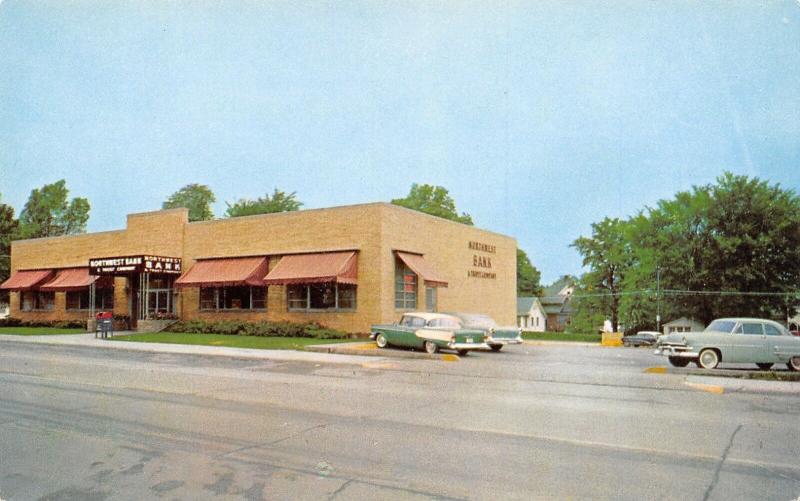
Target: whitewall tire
point(430, 347)
point(709, 359)
point(381, 341)
point(794, 364)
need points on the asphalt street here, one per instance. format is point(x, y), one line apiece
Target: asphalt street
point(530, 422)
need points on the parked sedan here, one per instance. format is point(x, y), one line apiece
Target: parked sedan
point(641, 338)
point(431, 331)
point(736, 340)
point(496, 336)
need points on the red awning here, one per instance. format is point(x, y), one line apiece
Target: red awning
point(422, 268)
point(225, 272)
point(70, 279)
point(26, 280)
point(340, 267)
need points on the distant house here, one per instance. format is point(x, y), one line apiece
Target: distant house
point(794, 323)
point(557, 305)
point(683, 324)
point(530, 314)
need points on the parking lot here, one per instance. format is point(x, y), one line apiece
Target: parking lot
point(549, 421)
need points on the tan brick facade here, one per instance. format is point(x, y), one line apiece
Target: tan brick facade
point(375, 230)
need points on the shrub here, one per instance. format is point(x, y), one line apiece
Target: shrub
point(241, 328)
point(57, 324)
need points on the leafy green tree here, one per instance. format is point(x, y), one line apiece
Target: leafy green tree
point(279, 201)
point(48, 213)
point(433, 200)
point(195, 197)
point(607, 254)
point(528, 276)
point(8, 229)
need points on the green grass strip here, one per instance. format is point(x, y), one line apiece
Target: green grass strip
point(561, 336)
point(230, 341)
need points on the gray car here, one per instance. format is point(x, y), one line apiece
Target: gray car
point(734, 340)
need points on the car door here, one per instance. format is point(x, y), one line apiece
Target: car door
point(781, 345)
point(751, 343)
point(402, 332)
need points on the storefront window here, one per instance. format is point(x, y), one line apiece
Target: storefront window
point(37, 300)
point(405, 287)
point(233, 298)
point(321, 297)
point(104, 299)
point(78, 300)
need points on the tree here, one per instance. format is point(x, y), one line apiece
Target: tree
point(433, 200)
point(8, 229)
point(195, 197)
point(279, 201)
point(608, 256)
point(47, 213)
point(527, 276)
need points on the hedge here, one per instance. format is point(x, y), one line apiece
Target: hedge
point(57, 324)
point(273, 329)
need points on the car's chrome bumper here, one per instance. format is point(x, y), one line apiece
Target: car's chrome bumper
point(678, 351)
point(504, 340)
point(466, 346)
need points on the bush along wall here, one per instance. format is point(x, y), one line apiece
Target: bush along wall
point(57, 324)
point(276, 329)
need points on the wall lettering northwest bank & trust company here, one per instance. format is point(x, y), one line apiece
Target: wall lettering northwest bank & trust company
point(344, 267)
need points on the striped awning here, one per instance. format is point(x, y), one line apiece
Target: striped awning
point(422, 268)
point(26, 280)
point(323, 267)
point(70, 279)
point(225, 272)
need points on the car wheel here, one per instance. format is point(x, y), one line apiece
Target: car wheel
point(430, 347)
point(709, 359)
point(678, 361)
point(764, 367)
point(463, 353)
point(794, 364)
point(496, 347)
point(381, 341)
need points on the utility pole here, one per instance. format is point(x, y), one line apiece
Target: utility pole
point(658, 298)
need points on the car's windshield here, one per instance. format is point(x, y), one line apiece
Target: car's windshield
point(443, 322)
point(480, 321)
point(721, 326)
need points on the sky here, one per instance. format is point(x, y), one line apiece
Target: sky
point(540, 118)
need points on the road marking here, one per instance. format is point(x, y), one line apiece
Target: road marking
point(364, 346)
point(656, 370)
point(711, 388)
point(451, 358)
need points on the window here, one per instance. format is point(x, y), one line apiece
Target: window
point(771, 330)
point(430, 298)
point(37, 300)
point(752, 329)
point(321, 297)
point(104, 299)
point(720, 326)
point(405, 286)
point(412, 321)
point(444, 322)
point(233, 298)
point(78, 300)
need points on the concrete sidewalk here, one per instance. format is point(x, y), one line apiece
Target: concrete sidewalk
point(88, 340)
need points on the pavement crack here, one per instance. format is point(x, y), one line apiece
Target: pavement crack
point(720, 463)
point(272, 442)
point(340, 489)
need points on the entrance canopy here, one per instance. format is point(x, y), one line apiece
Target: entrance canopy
point(128, 265)
point(323, 267)
point(225, 272)
point(422, 268)
point(70, 279)
point(26, 280)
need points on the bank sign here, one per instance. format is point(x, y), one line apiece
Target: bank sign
point(125, 265)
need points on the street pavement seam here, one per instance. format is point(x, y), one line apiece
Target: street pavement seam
point(721, 462)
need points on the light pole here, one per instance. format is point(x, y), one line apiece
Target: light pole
point(658, 298)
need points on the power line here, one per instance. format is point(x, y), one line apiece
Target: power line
point(678, 292)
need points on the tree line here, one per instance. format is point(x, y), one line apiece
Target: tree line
point(50, 212)
point(730, 248)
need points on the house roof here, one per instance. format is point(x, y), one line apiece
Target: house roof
point(682, 320)
point(526, 304)
point(556, 287)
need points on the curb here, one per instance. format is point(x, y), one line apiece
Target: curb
point(371, 350)
point(544, 342)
